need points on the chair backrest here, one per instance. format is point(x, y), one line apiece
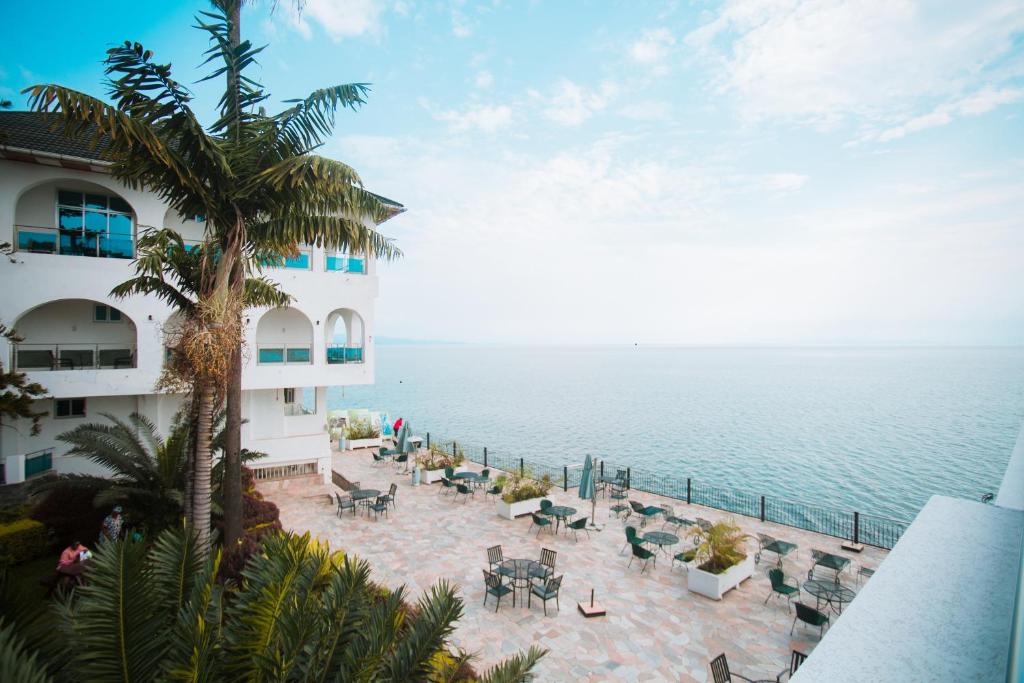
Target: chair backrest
point(547, 557)
point(494, 555)
point(631, 534)
point(404, 457)
point(795, 660)
point(538, 520)
point(382, 500)
point(554, 584)
point(462, 488)
point(545, 504)
point(485, 473)
point(764, 539)
point(449, 472)
point(777, 577)
point(580, 523)
point(491, 579)
point(637, 507)
point(640, 551)
point(445, 481)
point(337, 497)
point(394, 489)
point(807, 613)
point(377, 456)
point(669, 510)
point(621, 475)
point(817, 554)
point(347, 503)
point(720, 669)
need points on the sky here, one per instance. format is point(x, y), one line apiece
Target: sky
point(748, 172)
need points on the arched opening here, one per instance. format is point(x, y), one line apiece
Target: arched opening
point(74, 218)
point(75, 334)
point(191, 228)
point(284, 336)
point(345, 337)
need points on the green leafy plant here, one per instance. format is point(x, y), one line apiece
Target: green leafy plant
point(517, 486)
point(361, 429)
point(438, 458)
point(719, 547)
point(21, 540)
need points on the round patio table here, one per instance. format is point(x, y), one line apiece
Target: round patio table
point(661, 539)
point(518, 570)
point(831, 592)
point(561, 513)
point(364, 496)
point(474, 478)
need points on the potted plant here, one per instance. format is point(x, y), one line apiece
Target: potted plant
point(436, 459)
point(721, 562)
point(520, 493)
point(360, 434)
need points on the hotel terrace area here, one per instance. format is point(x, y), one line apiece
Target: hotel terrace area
point(654, 629)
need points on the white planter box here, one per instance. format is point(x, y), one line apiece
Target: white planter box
point(517, 509)
point(352, 444)
point(714, 586)
point(430, 476)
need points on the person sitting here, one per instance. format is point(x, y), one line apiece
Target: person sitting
point(73, 561)
point(112, 525)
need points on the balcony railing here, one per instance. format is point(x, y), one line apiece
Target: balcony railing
point(96, 356)
point(343, 263)
point(39, 240)
point(338, 354)
point(283, 354)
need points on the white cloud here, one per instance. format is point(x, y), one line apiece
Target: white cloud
point(461, 26)
point(484, 79)
point(978, 103)
point(653, 49)
point(826, 61)
point(487, 118)
point(571, 104)
point(338, 18)
point(784, 182)
point(646, 110)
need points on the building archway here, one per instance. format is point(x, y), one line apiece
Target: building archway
point(345, 336)
point(284, 336)
point(75, 334)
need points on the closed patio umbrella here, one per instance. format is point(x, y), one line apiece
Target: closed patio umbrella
point(587, 489)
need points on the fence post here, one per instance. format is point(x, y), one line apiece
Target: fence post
point(856, 527)
point(485, 456)
point(565, 477)
point(522, 468)
point(428, 439)
point(455, 448)
point(687, 490)
point(762, 508)
point(601, 465)
point(629, 478)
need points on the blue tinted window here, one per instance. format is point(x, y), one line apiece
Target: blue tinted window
point(271, 356)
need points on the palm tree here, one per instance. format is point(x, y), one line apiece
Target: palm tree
point(301, 612)
point(251, 174)
point(172, 271)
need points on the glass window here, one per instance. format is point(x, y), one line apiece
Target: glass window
point(301, 401)
point(118, 204)
point(101, 314)
point(69, 407)
point(115, 315)
point(271, 355)
point(95, 201)
point(120, 224)
point(70, 219)
point(298, 355)
point(94, 225)
point(289, 396)
point(69, 198)
point(106, 314)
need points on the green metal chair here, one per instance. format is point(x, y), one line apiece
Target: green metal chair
point(495, 556)
point(540, 522)
point(720, 672)
point(631, 538)
point(379, 507)
point(671, 519)
point(644, 554)
point(449, 472)
point(545, 504)
point(400, 460)
point(644, 512)
point(618, 507)
point(683, 557)
point(547, 565)
point(780, 587)
point(462, 490)
point(495, 586)
point(392, 492)
point(811, 616)
point(549, 591)
point(578, 526)
point(494, 491)
point(345, 503)
point(447, 486)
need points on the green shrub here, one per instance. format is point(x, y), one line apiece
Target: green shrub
point(361, 429)
point(437, 458)
point(23, 540)
point(14, 513)
point(517, 487)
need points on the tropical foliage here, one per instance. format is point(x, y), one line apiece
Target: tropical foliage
point(250, 173)
point(438, 457)
point(361, 429)
point(18, 395)
point(720, 546)
point(517, 486)
point(299, 612)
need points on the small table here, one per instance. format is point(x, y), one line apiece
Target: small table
point(837, 563)
point(831, 592)
point(780, 548)
point(474, 478)
point(661, 539)
point(561, 513)
point(363, 496)
point(518, 570)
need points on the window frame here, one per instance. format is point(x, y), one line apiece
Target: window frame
point(71, 405)
point(110, 311)
point(83, 231)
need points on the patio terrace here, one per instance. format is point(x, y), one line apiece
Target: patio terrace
point(654, 630)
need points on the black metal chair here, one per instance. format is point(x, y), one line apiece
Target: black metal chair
point(672, 519)
point(380, 507)
point(392, 492)
point(811, 616)
point(494, 491)
point(645, 512)
point(782, 586)
point(447, 486)
point(345, 503)
point(721, 674)
point(495, 556)
point(547, 565)
point(631, 538)
point(796, 658)
point(549, 591)
point(462, 490)
point(540, 522)
point(493, 585)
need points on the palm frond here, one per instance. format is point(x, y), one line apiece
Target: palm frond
point(515, 669)
point(437, 614)
point(17, 663)
point(305, 125)
point(330, 231)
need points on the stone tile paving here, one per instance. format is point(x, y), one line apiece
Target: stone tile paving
point(655, 629)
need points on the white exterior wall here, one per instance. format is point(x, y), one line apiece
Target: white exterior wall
point(28, 197)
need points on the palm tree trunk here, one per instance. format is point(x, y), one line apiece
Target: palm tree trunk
point(203, 457)
point(233, 454)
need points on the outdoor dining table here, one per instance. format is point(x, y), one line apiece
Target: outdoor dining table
point(780, 548)
point(518, 571)
point(561, 513)
point(364, 496)
point(831, 592)
point(474, 478)
point(661, 539)
point(836, 563)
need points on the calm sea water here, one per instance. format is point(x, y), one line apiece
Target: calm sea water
point(874, 430)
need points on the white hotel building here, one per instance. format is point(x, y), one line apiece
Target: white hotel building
point(73, 229)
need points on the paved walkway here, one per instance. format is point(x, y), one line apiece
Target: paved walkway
point(655, 629)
